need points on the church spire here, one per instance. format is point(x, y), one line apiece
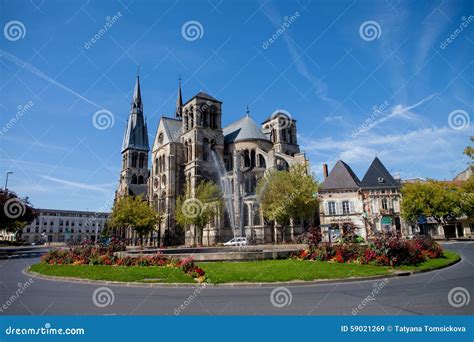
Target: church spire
point(179, 102)
point(137, 96)
point(136, 133)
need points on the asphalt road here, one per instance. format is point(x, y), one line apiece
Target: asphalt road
point(421, 294)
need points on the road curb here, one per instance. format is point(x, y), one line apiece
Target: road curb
point(395, 274)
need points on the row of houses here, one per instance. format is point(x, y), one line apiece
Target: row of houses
point(373, 205)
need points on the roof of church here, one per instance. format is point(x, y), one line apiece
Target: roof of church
point(136, 133)
point(377, 176)
point(173, 126)
point(203, 95)
point(341, 177)
point(243, 129)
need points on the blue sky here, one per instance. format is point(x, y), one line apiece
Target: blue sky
point(328, 63)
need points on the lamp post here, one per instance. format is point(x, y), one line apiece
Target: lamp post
point(6, 180)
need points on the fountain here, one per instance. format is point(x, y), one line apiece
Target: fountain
point(227, 192)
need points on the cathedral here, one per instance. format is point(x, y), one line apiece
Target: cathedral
point(193, 146)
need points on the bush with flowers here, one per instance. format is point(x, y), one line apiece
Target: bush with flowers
point(386, 250)
point(89, 254)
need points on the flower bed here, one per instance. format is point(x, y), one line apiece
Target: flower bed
point(386, 250)
point(89, 254)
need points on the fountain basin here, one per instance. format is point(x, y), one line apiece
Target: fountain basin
point(244, 253)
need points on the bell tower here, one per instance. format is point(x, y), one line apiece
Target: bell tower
point(135, 148)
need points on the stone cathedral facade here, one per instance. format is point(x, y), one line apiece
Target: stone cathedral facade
point(193, 146)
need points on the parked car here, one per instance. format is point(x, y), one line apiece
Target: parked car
point(239, 241)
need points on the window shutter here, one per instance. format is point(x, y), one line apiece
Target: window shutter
point(326, 208)
point(339, 208)
point(351, 207)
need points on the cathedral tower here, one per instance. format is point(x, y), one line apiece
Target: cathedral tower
point(135, 148)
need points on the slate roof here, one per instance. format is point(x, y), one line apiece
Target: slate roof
point(243, 129)
point(204, 96)
point(341, 177)
point(173, 127)
point(136, 133)
point(377, 176)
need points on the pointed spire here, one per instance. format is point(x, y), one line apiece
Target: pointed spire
point(179, 102)
point(136, 133)
point(137, 95)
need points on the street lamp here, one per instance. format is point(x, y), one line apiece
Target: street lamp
point(6, 180)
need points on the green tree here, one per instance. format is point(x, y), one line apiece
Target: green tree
point(16, 212)
point(469, 150)
point(286, 195)
point(443, 201)
point(134, 213)
point(199, 210)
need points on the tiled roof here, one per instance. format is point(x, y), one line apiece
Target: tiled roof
point(341, 177)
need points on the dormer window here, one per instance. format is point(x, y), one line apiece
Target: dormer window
point(380, 179)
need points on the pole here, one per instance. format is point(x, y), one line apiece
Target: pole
point(6, 180)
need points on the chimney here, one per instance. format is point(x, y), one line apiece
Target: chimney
point(325, 170)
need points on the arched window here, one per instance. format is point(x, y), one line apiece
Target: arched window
point(141, 160)
point(190, 151)
point(252, 158)
point(134, 179)
point(246, 215)
point(160, 138)
point(186, 121)
point(261, 161)
point(256, 216)
point(141, 180)
point(163, 182)
point(246, 158)
point(157, 164)
point(164, 163)
point(191, 119)
point(205, 149)
point(186, 159)
point(134, 159)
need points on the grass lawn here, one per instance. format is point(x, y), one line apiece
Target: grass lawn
point(285, 270)
point(246, 271)
point(148, 274)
